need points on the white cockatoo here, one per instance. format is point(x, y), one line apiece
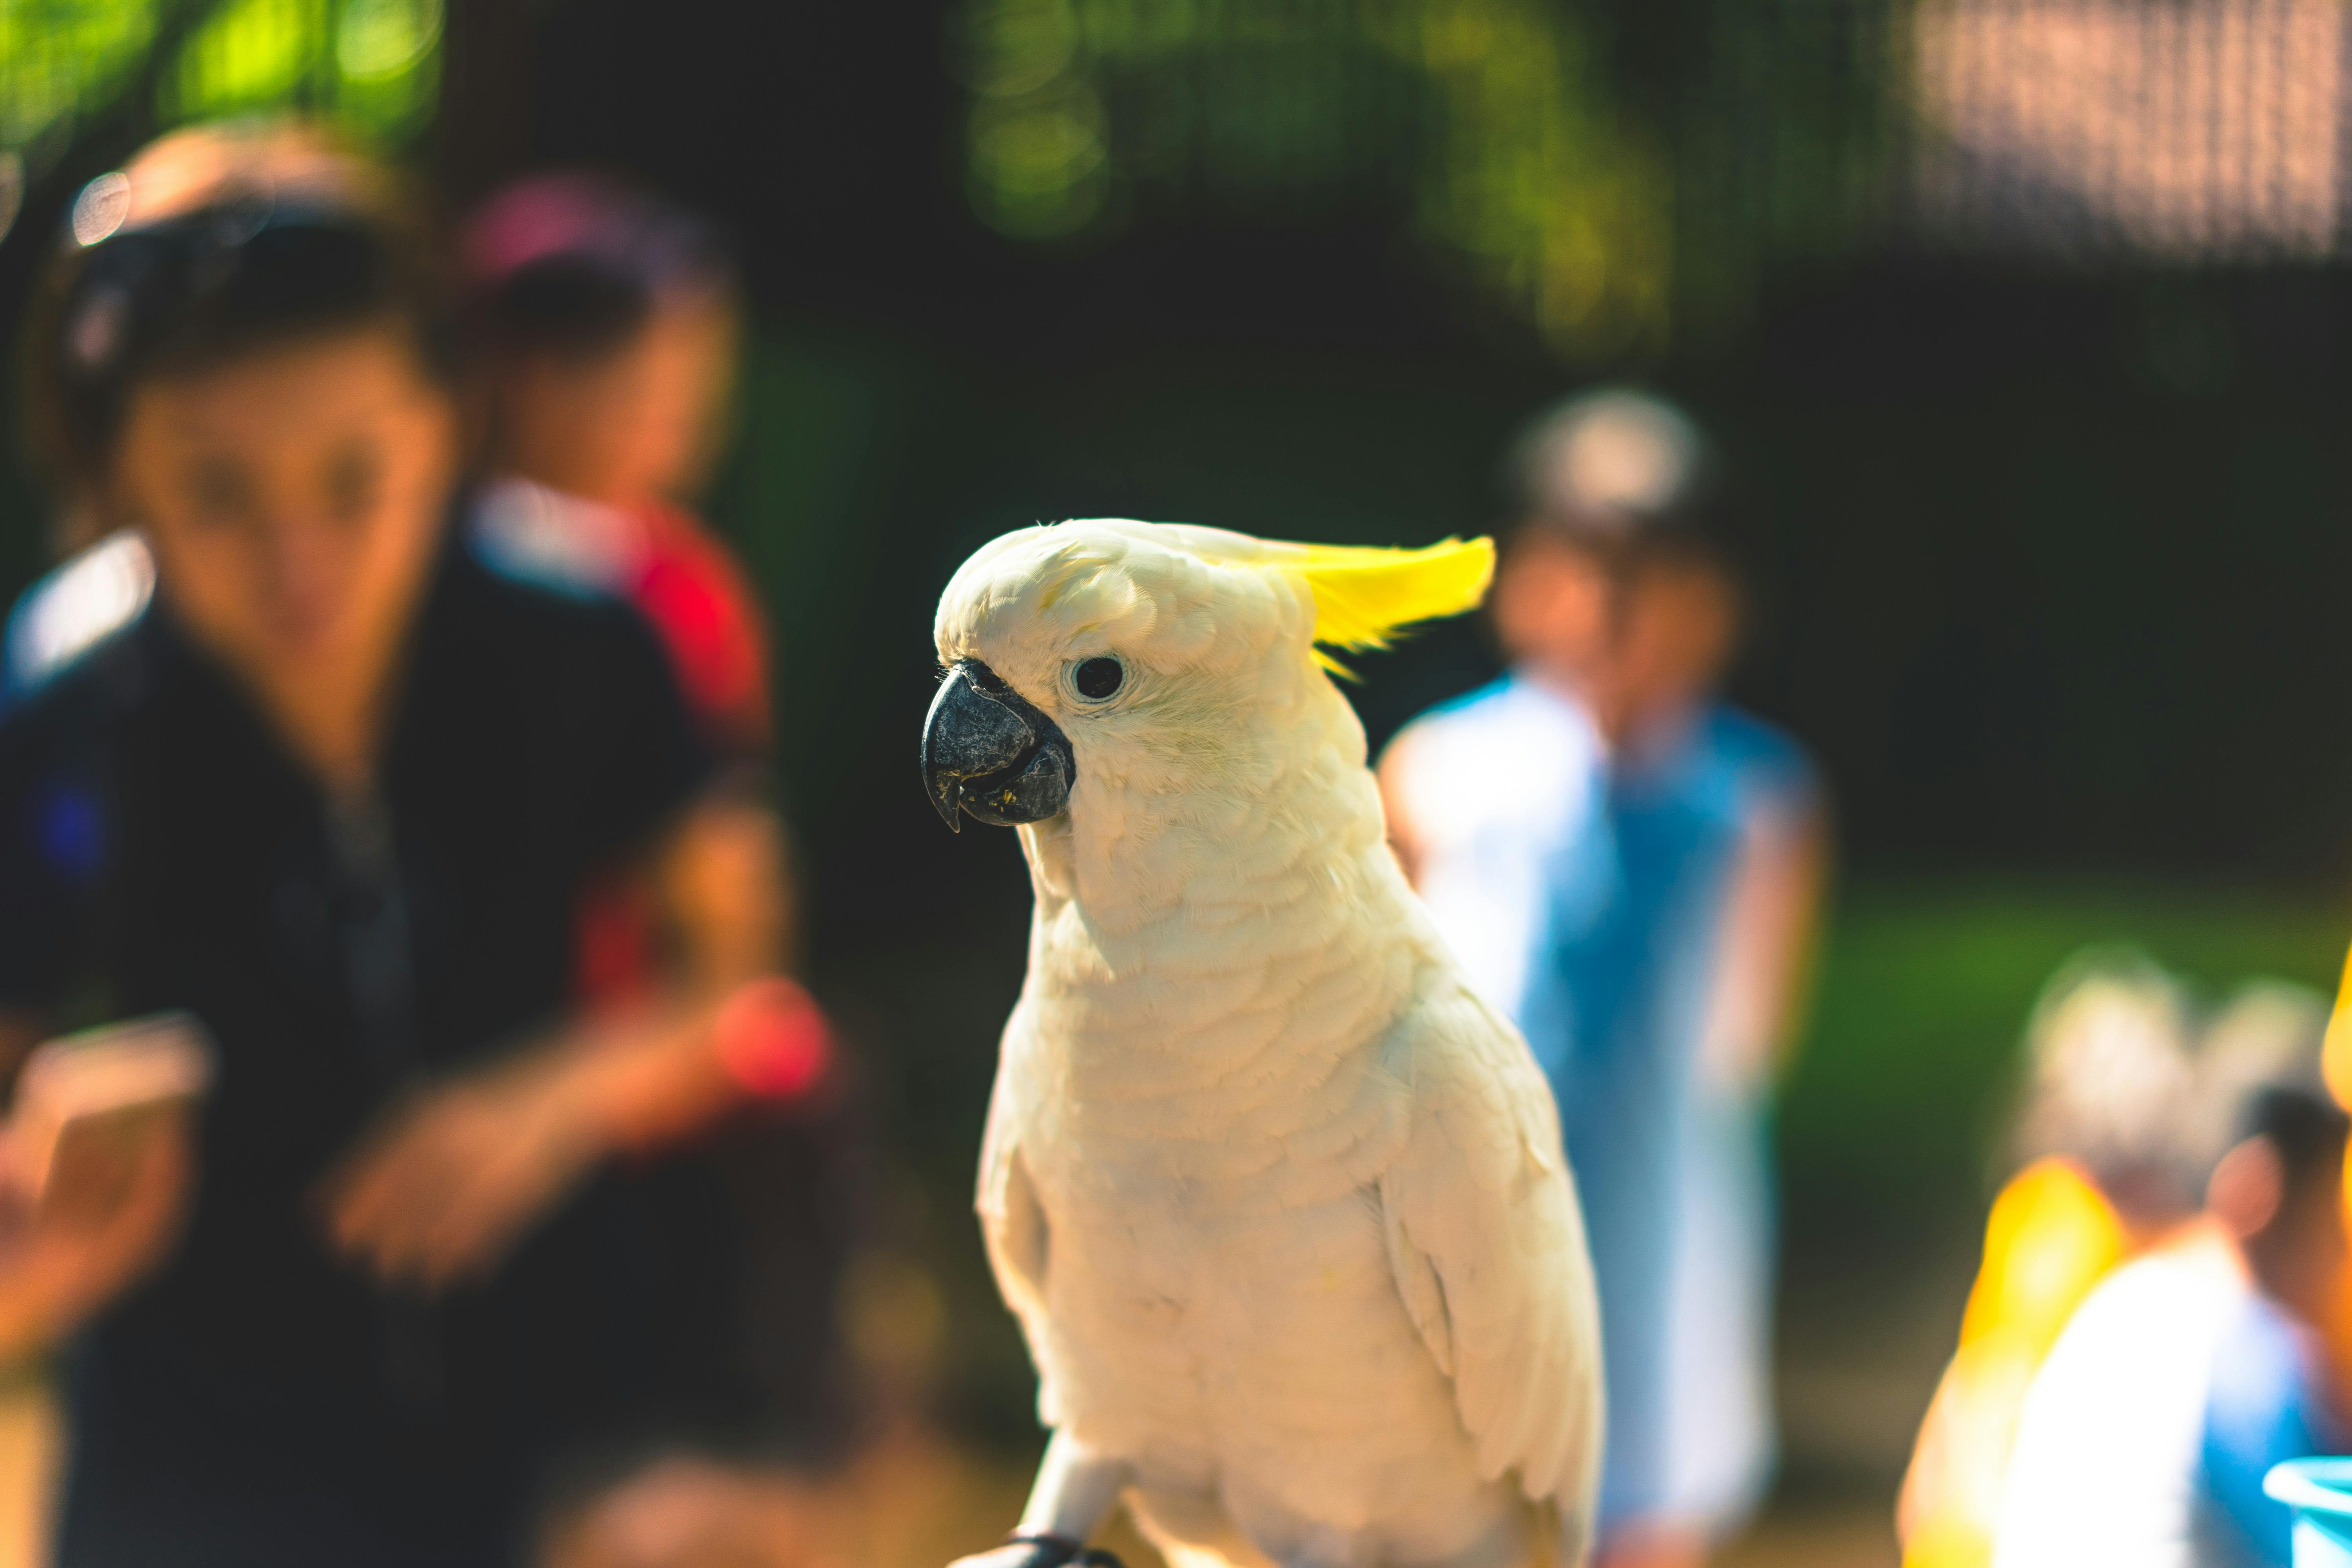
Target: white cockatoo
point(1280, 1205)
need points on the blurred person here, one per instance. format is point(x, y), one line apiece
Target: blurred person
point(608, 325)
point(107, 572)
point(339, 787)
point(605, 324)
point(2282, 1383)
point(1631, 870)
point(1727, 811)
point(2101, 1175)
point(1495, 798)
point(2192, 1370)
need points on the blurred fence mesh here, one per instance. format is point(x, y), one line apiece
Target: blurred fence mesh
point(2210, 130)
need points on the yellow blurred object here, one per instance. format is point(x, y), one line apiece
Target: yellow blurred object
point(2336, 1067)
point(2053, 1235)
point(32, 1454)
point(2335, 1053)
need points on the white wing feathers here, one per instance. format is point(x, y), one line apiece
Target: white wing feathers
point(1488, 1249)
point(1483, 1237)
point(1012, 1223)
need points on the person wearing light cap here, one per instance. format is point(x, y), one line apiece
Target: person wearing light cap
point(1629, 869)
point(2192, 1370)
point(2102, 1175)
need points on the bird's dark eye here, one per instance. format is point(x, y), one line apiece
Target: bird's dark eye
point(1098, 678)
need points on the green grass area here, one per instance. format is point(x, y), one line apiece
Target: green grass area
point(1892, 1113)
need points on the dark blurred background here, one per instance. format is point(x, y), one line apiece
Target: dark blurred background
point(2023, 324)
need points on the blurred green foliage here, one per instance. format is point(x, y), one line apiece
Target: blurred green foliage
point(369, 65)
point(1498, 112)
point(1602, 169)
point(57, 55)
point(1891, 1119)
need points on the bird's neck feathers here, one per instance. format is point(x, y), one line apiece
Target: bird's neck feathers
point(1236, 926)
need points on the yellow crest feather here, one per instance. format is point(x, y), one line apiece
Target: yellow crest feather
point(1365, 594)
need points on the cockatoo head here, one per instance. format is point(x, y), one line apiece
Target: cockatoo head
point(1152, 655)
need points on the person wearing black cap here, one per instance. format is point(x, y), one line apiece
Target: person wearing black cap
point(337, 788)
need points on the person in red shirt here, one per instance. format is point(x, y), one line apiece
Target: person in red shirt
point(604, 324)
point(608, 324)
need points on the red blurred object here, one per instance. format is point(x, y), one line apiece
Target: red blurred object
point(612, 943)
point(546, 216)
point(773, 1040)
point(686, 583)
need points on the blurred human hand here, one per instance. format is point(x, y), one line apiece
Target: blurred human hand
point(112, 1207)
point(442, 1187)
point(688, 1512)
point(445, 1182)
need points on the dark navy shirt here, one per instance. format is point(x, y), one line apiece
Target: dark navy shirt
point(259, 1401)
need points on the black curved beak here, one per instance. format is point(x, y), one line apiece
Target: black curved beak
point(988, 751)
